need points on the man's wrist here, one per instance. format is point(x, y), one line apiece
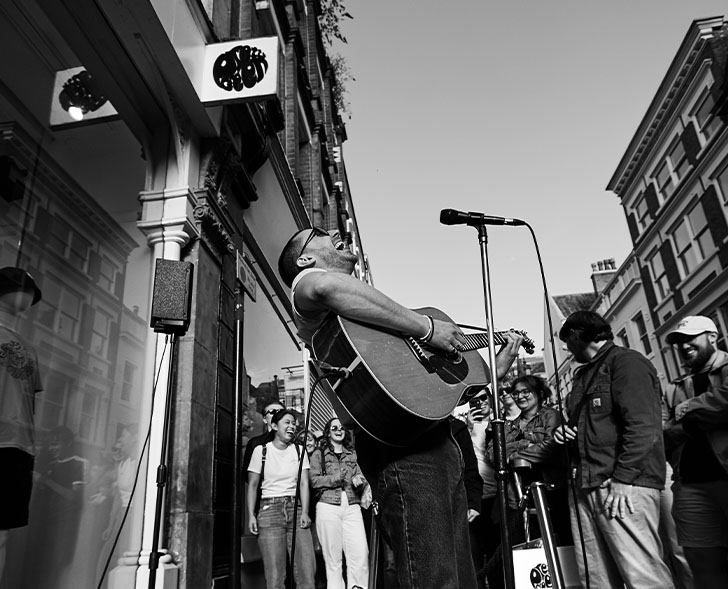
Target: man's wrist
point(430, 330)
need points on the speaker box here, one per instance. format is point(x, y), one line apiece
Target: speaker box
point(172, 297)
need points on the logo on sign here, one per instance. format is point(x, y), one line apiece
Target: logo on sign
point(540, 576)
point(241, 67)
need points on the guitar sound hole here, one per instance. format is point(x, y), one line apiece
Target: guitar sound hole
point(451, 371)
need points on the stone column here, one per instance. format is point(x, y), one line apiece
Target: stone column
point(168, 223)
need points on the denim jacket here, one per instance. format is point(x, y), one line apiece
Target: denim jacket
point(338, 475)
point(534, 441)
point(708, 411)
point(620, 424)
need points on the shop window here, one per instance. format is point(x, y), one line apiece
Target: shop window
point(274, 370)
point(639, 323)
point(692, 240)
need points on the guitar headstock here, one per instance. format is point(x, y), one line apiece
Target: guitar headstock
point(527, 343)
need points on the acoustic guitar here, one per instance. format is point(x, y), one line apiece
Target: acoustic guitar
point(398, 389)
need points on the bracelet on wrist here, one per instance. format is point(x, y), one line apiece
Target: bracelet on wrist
point(430, 332)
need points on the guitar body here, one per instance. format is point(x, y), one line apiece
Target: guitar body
point(391, 394)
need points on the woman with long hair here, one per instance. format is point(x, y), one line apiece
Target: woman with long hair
point(339, 484)
point(274, 468)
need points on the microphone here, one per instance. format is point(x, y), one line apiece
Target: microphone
point(336, 370)
point(453, 217)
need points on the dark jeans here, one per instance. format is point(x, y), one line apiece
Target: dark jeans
point(423, 510)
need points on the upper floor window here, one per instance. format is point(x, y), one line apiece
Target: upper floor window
point(642, 213)
point(639, 323)
point(107, 273)
point(622, 337)
point(692, 240)
point(659, 275)
point(722, 180)
point(671, 171)
point(665, 183)
point(704, 115)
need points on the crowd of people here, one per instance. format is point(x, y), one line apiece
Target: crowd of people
point(603, 453)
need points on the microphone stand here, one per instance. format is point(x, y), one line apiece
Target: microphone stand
point(498, 423)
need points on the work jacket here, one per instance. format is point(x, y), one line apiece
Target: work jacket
point(334, 474)
point(619, 433)
point(707, 412)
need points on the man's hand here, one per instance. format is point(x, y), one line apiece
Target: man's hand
point(472, 514)
point(508, 353)
point(680, 410)
point(564, 434)
point(619, 499)
point(446, 336)
point(253, 525)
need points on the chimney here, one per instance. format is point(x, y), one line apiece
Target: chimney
point(602, 272)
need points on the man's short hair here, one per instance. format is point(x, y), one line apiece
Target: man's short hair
point(287, 266)
point(592, 327)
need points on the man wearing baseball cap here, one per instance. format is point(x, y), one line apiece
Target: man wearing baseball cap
point(696, 438)
point(19, 383)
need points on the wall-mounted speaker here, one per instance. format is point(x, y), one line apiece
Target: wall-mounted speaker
point(172, 297)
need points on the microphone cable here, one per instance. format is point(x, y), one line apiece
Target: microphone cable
point(560, 403)
point(342, 373)
point(138, 469)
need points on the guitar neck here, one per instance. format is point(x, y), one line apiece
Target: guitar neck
point(476, 341)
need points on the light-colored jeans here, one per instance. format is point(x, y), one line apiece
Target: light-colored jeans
point(275, 532)
point(341, 528)
point(620, 552)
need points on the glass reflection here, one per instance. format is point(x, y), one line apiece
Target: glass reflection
point(74, 230)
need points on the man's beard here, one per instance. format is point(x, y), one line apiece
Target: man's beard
point(701, 358)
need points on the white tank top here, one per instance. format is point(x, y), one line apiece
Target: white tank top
point(305, 326)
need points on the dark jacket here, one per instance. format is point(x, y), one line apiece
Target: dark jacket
point(707, 412)
point(620, 423)
point(328, 479)
point(473, 482)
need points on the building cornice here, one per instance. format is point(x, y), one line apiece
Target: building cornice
point(669, 92)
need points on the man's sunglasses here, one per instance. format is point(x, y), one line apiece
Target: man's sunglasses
point(315, 232)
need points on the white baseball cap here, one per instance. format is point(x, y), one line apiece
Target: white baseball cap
point(691, 325)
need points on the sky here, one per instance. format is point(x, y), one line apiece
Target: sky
point(517, 108)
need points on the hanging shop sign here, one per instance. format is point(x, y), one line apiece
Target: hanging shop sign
point(77, 97)
point(240, 70)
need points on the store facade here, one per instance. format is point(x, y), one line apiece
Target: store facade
point(87, 206)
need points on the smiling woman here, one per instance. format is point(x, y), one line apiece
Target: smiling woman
point(274, 470)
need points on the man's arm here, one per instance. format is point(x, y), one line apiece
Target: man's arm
point(708, 410)
point(634, 383)
point(351, 298)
